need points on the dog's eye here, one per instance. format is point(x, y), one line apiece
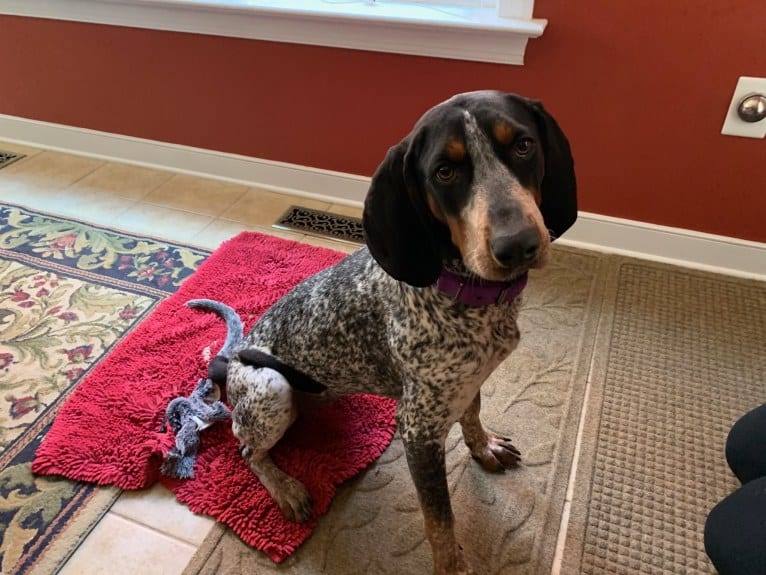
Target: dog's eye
point(445, 173)
point(524, 147)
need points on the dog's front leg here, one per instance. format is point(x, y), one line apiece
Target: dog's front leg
point(425, 457)
point(493, 451)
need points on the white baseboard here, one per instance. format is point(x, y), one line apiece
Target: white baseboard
point(324, 185)
point(720, 254)
point(593, 231)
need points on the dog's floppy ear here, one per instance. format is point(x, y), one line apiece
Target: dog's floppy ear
point(396, 228)
point(559, 187)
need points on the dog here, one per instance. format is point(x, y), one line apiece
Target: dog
point(456, 215)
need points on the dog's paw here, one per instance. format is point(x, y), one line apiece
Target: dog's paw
point(294, 500)
point(456, 565)
point(497, 453)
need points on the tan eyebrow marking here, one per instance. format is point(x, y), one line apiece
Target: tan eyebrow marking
point(503, 132)
point(455, 150)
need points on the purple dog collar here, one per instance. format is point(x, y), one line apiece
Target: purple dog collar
point(479, 292)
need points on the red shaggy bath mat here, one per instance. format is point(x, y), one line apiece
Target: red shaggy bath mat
point(108, 431)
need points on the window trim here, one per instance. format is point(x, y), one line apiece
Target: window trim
point(457, 32)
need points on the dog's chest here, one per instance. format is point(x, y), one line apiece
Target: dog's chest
point(446, 352)
point(446, 342)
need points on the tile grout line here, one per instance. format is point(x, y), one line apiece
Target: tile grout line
point(101, 165)
point(116, 217)
point(157, 531)
point(173, 206)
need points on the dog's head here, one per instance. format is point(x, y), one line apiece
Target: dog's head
point(486, 178)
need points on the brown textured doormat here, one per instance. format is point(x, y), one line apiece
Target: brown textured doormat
point(673, 356)
point(681, 356)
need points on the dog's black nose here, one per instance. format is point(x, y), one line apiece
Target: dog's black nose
point(516, 249)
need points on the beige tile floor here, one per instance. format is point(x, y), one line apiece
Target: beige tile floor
point(147, 531)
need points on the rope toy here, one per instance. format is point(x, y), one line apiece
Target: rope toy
point(187, 417)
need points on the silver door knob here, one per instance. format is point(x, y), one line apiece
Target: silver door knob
point(752, 108)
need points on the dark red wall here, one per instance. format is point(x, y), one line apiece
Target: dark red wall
point(641, 88)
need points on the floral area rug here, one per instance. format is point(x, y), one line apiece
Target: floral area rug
point(69, 292)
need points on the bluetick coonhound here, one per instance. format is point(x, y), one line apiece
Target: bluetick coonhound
point(455, 216)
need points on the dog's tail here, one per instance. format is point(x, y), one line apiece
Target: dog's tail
point(234, 334)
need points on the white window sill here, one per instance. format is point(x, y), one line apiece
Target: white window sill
point(456, 32)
